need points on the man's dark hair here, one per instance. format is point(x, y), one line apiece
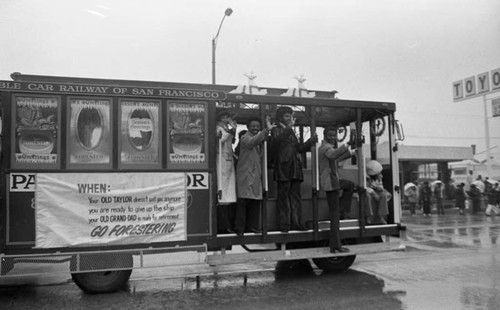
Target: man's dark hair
point(254, 119)
point(282, 111)
point(328, 129)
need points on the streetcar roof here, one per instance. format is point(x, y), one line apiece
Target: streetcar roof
point(272, 96)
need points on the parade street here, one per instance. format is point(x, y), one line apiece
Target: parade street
point(450, 262)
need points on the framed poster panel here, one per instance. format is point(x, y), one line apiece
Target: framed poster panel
point(36, 138)
point(89, 136)
point(140, 136)
point(186, 139)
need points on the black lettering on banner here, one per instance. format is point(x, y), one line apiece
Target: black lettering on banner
point(99, 231)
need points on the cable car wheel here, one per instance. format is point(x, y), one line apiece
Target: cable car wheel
point(102, 281)
point(336, 263)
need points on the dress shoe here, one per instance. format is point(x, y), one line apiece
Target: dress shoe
point(284, 230)
point(255, 230)
point(339, 250)
point(300, 227)
point(239, 233)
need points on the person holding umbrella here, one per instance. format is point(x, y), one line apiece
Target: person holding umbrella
point(438, 195)
point(475, 195)
point(460, 198)
point(492, 195)
point(426, 198)
point(410, 191)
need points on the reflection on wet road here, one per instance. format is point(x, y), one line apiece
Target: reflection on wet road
point(454, 231)
point(451, 262)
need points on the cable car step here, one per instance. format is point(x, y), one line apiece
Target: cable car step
point(267, 256)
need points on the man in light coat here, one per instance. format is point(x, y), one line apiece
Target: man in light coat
point(329, 155)
point(226, 175)
point(249, 173)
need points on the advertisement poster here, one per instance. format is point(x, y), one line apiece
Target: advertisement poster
point(89, 137)
point(187, 133)
point(76, 209)
point(36, 135)
point(139, 132)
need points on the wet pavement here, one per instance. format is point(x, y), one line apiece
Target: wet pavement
point(450, 262)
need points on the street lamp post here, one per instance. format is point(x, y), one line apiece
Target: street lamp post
point(228, 12)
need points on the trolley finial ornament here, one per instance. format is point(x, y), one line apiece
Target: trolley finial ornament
point(301, 90)
point(251, 89)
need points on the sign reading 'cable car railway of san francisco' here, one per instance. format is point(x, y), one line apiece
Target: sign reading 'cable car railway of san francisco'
point(481, 84)
point(113, 90)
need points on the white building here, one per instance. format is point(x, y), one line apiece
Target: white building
point(460, 169)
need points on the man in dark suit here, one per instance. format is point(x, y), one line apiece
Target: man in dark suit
point(288, 169)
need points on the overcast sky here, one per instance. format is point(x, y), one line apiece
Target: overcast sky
point(404, 51)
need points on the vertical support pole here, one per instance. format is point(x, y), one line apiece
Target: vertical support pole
point(265, 179)
point(213, 60)
point(360, 155)
point(373, 141)
point(487, 136)
point(219, 170)
point(395, 169)
point(314, 173)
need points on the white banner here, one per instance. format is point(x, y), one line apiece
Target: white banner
point(81, 209)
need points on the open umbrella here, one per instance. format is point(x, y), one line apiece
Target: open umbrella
point(435, 183)
point(492, 181)
point(479, 185)
point(408, 187)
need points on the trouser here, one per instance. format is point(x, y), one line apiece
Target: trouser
point(412, 207)
point(379, 207)
point(364, 206)
point(439, 207)
point(246, 209)
point(427, 207)
point(476, 206)
point(347, 188)
point(332, 197)
point(289, 205)
point(225, 217)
